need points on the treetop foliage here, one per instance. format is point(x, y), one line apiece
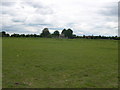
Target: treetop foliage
point(66, 33)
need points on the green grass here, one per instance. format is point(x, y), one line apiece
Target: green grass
point(59, 63)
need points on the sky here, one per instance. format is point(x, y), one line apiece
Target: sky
point(84, 17)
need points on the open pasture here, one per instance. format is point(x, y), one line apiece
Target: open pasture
point(59, 63)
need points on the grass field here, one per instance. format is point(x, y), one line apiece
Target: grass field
point(59, 63)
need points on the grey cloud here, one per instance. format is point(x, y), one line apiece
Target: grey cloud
point(38, 24)
point(34, 4)
point(31, 17)
point(18, 21)
point(44, 11)
point(119, 8)
point(12, 11)
point(7, 3)
point(56, 28)
point(40, 7)
point(111, 9)
point(15, 29)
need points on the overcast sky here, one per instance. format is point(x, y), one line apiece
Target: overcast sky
point(84, 17)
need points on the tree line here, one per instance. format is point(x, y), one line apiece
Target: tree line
point(66, 33)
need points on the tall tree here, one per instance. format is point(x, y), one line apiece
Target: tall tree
point(15, 35)
point(56, 33)
point(63, 31)
point(69, 33)
point(4, 34)
point(45, 33)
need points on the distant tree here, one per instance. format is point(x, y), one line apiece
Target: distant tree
point(74, 36)
point(34, 35)
point(92, 37)
point(63, 31)
point(15, 35)
point(27, 35)
point(45, 33)
point(12, 35)
point(0, 34)
point(4, 34)
point(99, 36)
point(22, 35)
point(56, 34)
point(69, 33)
point(84, 36)
point(7, 35)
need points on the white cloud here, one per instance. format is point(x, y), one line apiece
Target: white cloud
point(83, 16)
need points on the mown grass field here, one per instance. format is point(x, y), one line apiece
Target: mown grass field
point(59, 63)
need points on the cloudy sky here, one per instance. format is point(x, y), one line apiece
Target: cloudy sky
point(88, 17)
